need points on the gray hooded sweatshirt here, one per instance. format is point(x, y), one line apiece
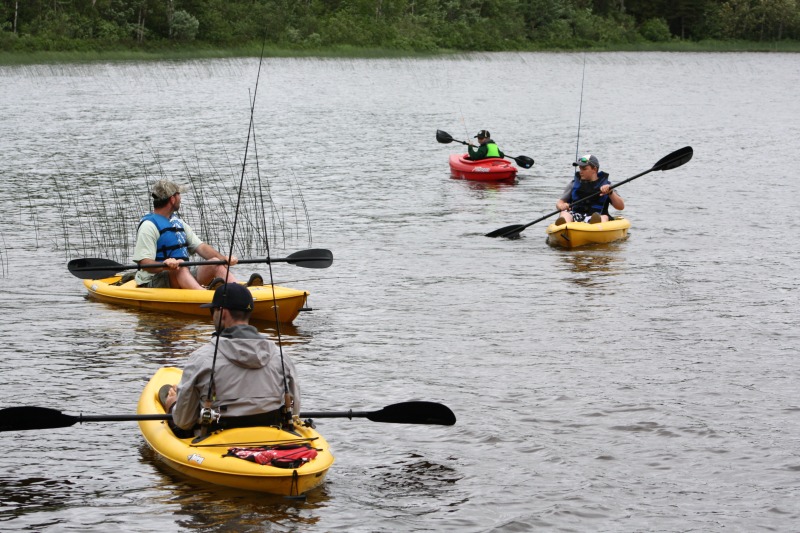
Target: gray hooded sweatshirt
point(248, 377)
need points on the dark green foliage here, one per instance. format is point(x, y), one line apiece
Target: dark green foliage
point(655, 30)
point(409, 25)
point(183, 26)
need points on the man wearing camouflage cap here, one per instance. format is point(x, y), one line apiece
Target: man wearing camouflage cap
point(162, 237)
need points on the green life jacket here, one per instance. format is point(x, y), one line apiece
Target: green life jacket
point(492, 150)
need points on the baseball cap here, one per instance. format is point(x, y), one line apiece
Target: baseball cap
point(164, 189)
point(483, 134)
point(232, 296)
point(588, 159)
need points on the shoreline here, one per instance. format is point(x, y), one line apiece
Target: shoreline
point(201, 52)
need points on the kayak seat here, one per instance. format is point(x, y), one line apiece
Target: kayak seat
point(128, 276)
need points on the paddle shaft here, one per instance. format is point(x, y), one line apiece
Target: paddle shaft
point(120, 418)
point(337, 414)
point(210, 262)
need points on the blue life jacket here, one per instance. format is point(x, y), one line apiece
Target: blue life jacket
point(171, 239)
point(582, 189)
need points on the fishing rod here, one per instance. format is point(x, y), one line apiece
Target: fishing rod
point(207, 414)
point(580, 108)
point(463, 121)
point(287, 397)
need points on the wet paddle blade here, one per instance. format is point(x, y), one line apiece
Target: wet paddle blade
point(675, 159)
point(22, 418)
point(415, 413)
point(28, 417)
point(524, 161)
point(508, 231)
point(443, 137)
point(94, 268)
point(399, 413)
point(313, 258)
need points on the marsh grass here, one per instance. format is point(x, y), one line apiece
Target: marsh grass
point(3, 257)
point(106, 228)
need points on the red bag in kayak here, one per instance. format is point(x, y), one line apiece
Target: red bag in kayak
point(291, 456)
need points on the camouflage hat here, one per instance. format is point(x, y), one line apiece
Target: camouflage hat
point(164, 189)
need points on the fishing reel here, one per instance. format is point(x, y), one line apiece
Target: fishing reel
point(209, 416)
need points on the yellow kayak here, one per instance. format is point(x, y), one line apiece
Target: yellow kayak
point(187, 301)
point(208, 460)
point(574, 234)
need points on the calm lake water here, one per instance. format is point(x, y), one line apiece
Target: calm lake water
point(647, 385)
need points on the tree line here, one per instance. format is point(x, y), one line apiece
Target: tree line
point(413, 25)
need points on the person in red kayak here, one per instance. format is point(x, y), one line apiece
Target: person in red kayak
point(586, 182)
point(486, 148)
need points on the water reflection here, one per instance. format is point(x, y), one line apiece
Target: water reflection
point(488, 187)
point(172, 338)
point(207, 506)
point(32, 494)
point(593, 265)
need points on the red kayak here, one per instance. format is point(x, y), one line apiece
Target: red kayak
point(489, 169)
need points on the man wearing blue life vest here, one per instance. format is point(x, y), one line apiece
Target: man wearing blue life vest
point(486, 148)
point(588, 181)
point(162, 237)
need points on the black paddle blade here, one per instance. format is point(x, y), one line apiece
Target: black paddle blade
point(94, 268)
point(313, 258)
point(511, 231)
point(523, 161)
point(443, 137)
point(22, 418)
point(415, 413)
point(675, 159)
point(399, 413)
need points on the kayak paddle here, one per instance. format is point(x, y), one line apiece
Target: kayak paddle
point(673, 160)
point(445, 138)
point(398, 413)
point(96, 268)
point(29, 417)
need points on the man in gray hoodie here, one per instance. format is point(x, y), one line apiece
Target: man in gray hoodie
point(253, 379)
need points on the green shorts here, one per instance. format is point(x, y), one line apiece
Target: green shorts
point(160, 280)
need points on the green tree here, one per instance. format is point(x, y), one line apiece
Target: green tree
point(183, 26)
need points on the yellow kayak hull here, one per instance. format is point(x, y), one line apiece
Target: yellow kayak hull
point(204, 460)
point(187, 301)
point(574, 234)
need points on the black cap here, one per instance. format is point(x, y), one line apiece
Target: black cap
point(483, 134)
point(232, 296)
